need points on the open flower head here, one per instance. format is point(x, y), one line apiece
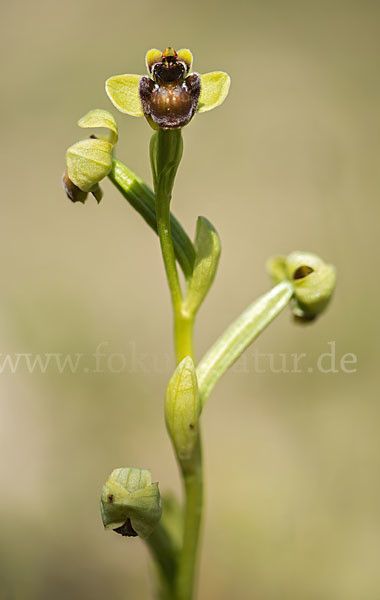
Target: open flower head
point(171, 95)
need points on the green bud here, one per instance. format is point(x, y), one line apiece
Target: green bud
point(182, 409)
point(312, 279)
point(130, 502)
point(90, 160)
point(208, 248)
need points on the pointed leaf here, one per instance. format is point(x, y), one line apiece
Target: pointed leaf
point(239, 335)
point(208, 248)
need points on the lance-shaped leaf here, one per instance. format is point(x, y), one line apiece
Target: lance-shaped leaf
point(123, 91)
point(182, 409)
point(101, 118)
point(130, 502)
point(141, 197)
point(239, 335)
point(214, 89)
point(207, 248)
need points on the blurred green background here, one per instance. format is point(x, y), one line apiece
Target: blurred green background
point(290, 161)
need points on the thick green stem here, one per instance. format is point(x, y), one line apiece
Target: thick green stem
point(188, 561)
point(165, 154)
point(183, 332)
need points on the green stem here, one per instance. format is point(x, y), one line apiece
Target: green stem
point(192, 474)
point(143, 200)
point(183, 333)
point(164, 553)
point(165, 154)
point(164, 232)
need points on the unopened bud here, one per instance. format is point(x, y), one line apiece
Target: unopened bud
point(312, 279)
point(130, 502)
point(182, 409)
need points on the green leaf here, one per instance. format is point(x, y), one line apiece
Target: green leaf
point(123, 91)
point(214, 89)
point(207, 248)
point(101, 118)
point(239, 335)
point(182, 409)
point(88, 162)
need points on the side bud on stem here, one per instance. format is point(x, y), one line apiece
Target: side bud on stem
point(130, 503)
point(312, 279)
point(182, 409)
point(90, 160)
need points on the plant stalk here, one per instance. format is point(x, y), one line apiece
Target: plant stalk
point(165, 154)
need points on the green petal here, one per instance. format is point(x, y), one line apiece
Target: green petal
point(214, 89)
point(101, 118)
point(88, 162)
point(123, 91)
point(185, 55)
point(152, 56)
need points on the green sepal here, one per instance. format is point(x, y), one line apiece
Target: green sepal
point(276, 267)
point(207, 249)
point(182, 409)
point(123, 91)
point(101, 118)
point(313, 282)
point(129, 494)
point(214, 90)
point(88, 162)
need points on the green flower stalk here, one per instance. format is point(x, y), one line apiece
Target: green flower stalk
point(169, 98)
